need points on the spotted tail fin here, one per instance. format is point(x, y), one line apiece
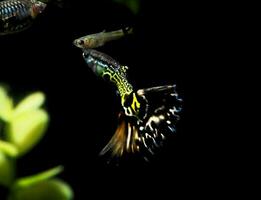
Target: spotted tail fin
point(163, 113)
point(146, 132)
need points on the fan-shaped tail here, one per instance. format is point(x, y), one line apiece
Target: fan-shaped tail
point(145, 132)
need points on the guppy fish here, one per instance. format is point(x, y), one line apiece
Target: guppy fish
point(148, 115)
point(18, 15)
point(99, 39)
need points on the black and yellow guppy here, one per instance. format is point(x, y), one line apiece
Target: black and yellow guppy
point(148, 115)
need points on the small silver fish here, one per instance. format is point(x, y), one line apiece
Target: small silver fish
point(18, 15)
point(99, 39)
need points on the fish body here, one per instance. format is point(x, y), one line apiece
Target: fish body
point(99, 39)
point(148, 115)
point(106, 67)
point(18, 15)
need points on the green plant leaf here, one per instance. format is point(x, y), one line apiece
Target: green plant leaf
point(53, 189)
point(26, 130)
point(6, 170)
point(31, 102)
point(133, 5)
point(6, 105)
point(8, 148)
point(36, 178)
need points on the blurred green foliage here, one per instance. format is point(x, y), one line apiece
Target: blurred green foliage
point(6, 170)
point(133, 5)
point(53, 189)
point(21, 127)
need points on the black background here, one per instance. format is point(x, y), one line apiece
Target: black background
point(173, 43)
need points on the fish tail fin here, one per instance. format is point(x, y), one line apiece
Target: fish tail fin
point(163, 107)
point(123, 140)
point(143, 134)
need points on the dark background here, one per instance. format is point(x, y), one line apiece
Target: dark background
point(173, 43)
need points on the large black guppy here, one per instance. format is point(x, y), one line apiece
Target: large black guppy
point(148, 115)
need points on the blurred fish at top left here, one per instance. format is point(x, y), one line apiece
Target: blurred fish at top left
point(18, 15)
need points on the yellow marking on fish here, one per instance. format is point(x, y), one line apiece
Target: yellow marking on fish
point(135, 103)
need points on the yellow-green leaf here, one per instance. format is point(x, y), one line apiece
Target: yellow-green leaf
point(36, 178)
point(31, 102)
point(46, 190)
point(6, 105)
point(8, 148)
point(6, 170)
point(26, 130)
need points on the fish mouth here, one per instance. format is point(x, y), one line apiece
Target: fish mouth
point(75, 43)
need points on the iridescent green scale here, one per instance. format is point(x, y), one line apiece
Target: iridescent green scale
point(107, 68)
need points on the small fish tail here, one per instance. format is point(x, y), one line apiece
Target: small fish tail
point(115, 35)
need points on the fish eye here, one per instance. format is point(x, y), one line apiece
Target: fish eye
point(84, 54)
point(106, 77)
point(80, 42)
